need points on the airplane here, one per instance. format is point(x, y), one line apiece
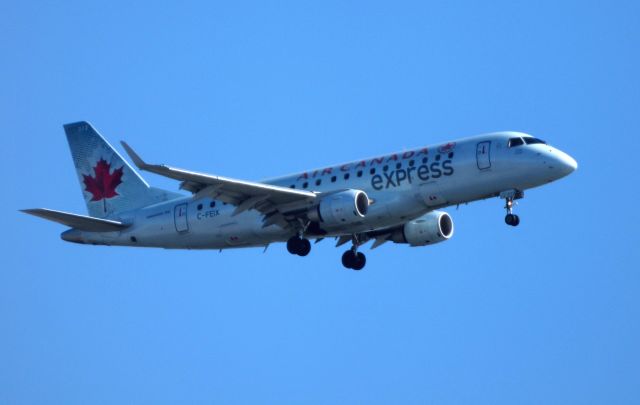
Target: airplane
point(396, 197)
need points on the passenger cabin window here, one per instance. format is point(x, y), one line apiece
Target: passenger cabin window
point(333, 179)
point(515, 142)
point(318, 182)
point(532, 141)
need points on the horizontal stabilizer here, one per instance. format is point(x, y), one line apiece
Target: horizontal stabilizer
point(81, 222)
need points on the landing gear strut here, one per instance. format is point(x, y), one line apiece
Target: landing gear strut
point(509, 196)
point(298, 245)
point(352, 259)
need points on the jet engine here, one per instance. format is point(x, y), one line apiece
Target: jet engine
point(434, 227)
point(341, 208)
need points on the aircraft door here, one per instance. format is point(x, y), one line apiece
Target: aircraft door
point(180, 218)
point(483, 155)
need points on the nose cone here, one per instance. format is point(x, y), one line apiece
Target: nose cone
point(561, 163)
point(570, 164)
point(566, 164)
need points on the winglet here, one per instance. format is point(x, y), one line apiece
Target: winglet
point(137, 160)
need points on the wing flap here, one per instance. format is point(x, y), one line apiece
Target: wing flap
point(81, 222)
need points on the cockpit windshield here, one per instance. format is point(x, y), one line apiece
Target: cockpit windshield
point(515, 142)
point(532, 141)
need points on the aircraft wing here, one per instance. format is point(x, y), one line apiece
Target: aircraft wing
point(280, 205)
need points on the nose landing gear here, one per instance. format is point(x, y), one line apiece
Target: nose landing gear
point(510, 196)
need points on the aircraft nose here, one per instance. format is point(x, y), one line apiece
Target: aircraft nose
point(561, 163)
point(570, 163)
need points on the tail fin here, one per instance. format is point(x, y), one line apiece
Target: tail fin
point(109, 185)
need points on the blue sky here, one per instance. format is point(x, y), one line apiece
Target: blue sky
point(543, 313)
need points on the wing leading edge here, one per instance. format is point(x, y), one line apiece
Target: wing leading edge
point(279, 205)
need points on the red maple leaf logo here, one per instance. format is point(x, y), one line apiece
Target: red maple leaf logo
point(104, 184)
point(447, 148)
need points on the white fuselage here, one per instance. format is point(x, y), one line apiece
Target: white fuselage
point(401, 186)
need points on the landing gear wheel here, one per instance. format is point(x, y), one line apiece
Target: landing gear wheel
point(512, 219)
point(361, 260)
point(509, 219)
point(348, 258)
point(298, 246)
point(293, 244)
point(304, 248)
point(354, 260)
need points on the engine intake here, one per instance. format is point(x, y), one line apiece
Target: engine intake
point(434, 227)
point(342, 208)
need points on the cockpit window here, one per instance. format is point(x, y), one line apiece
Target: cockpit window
point(515, 142)
point(532, 141)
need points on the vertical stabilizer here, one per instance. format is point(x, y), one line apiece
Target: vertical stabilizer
point(109, 185)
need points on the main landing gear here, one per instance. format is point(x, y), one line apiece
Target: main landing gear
point(509, 196)
point(352, 259)
point(297, 245)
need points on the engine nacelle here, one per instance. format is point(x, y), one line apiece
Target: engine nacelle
point(434, 227)
point(341, 208)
